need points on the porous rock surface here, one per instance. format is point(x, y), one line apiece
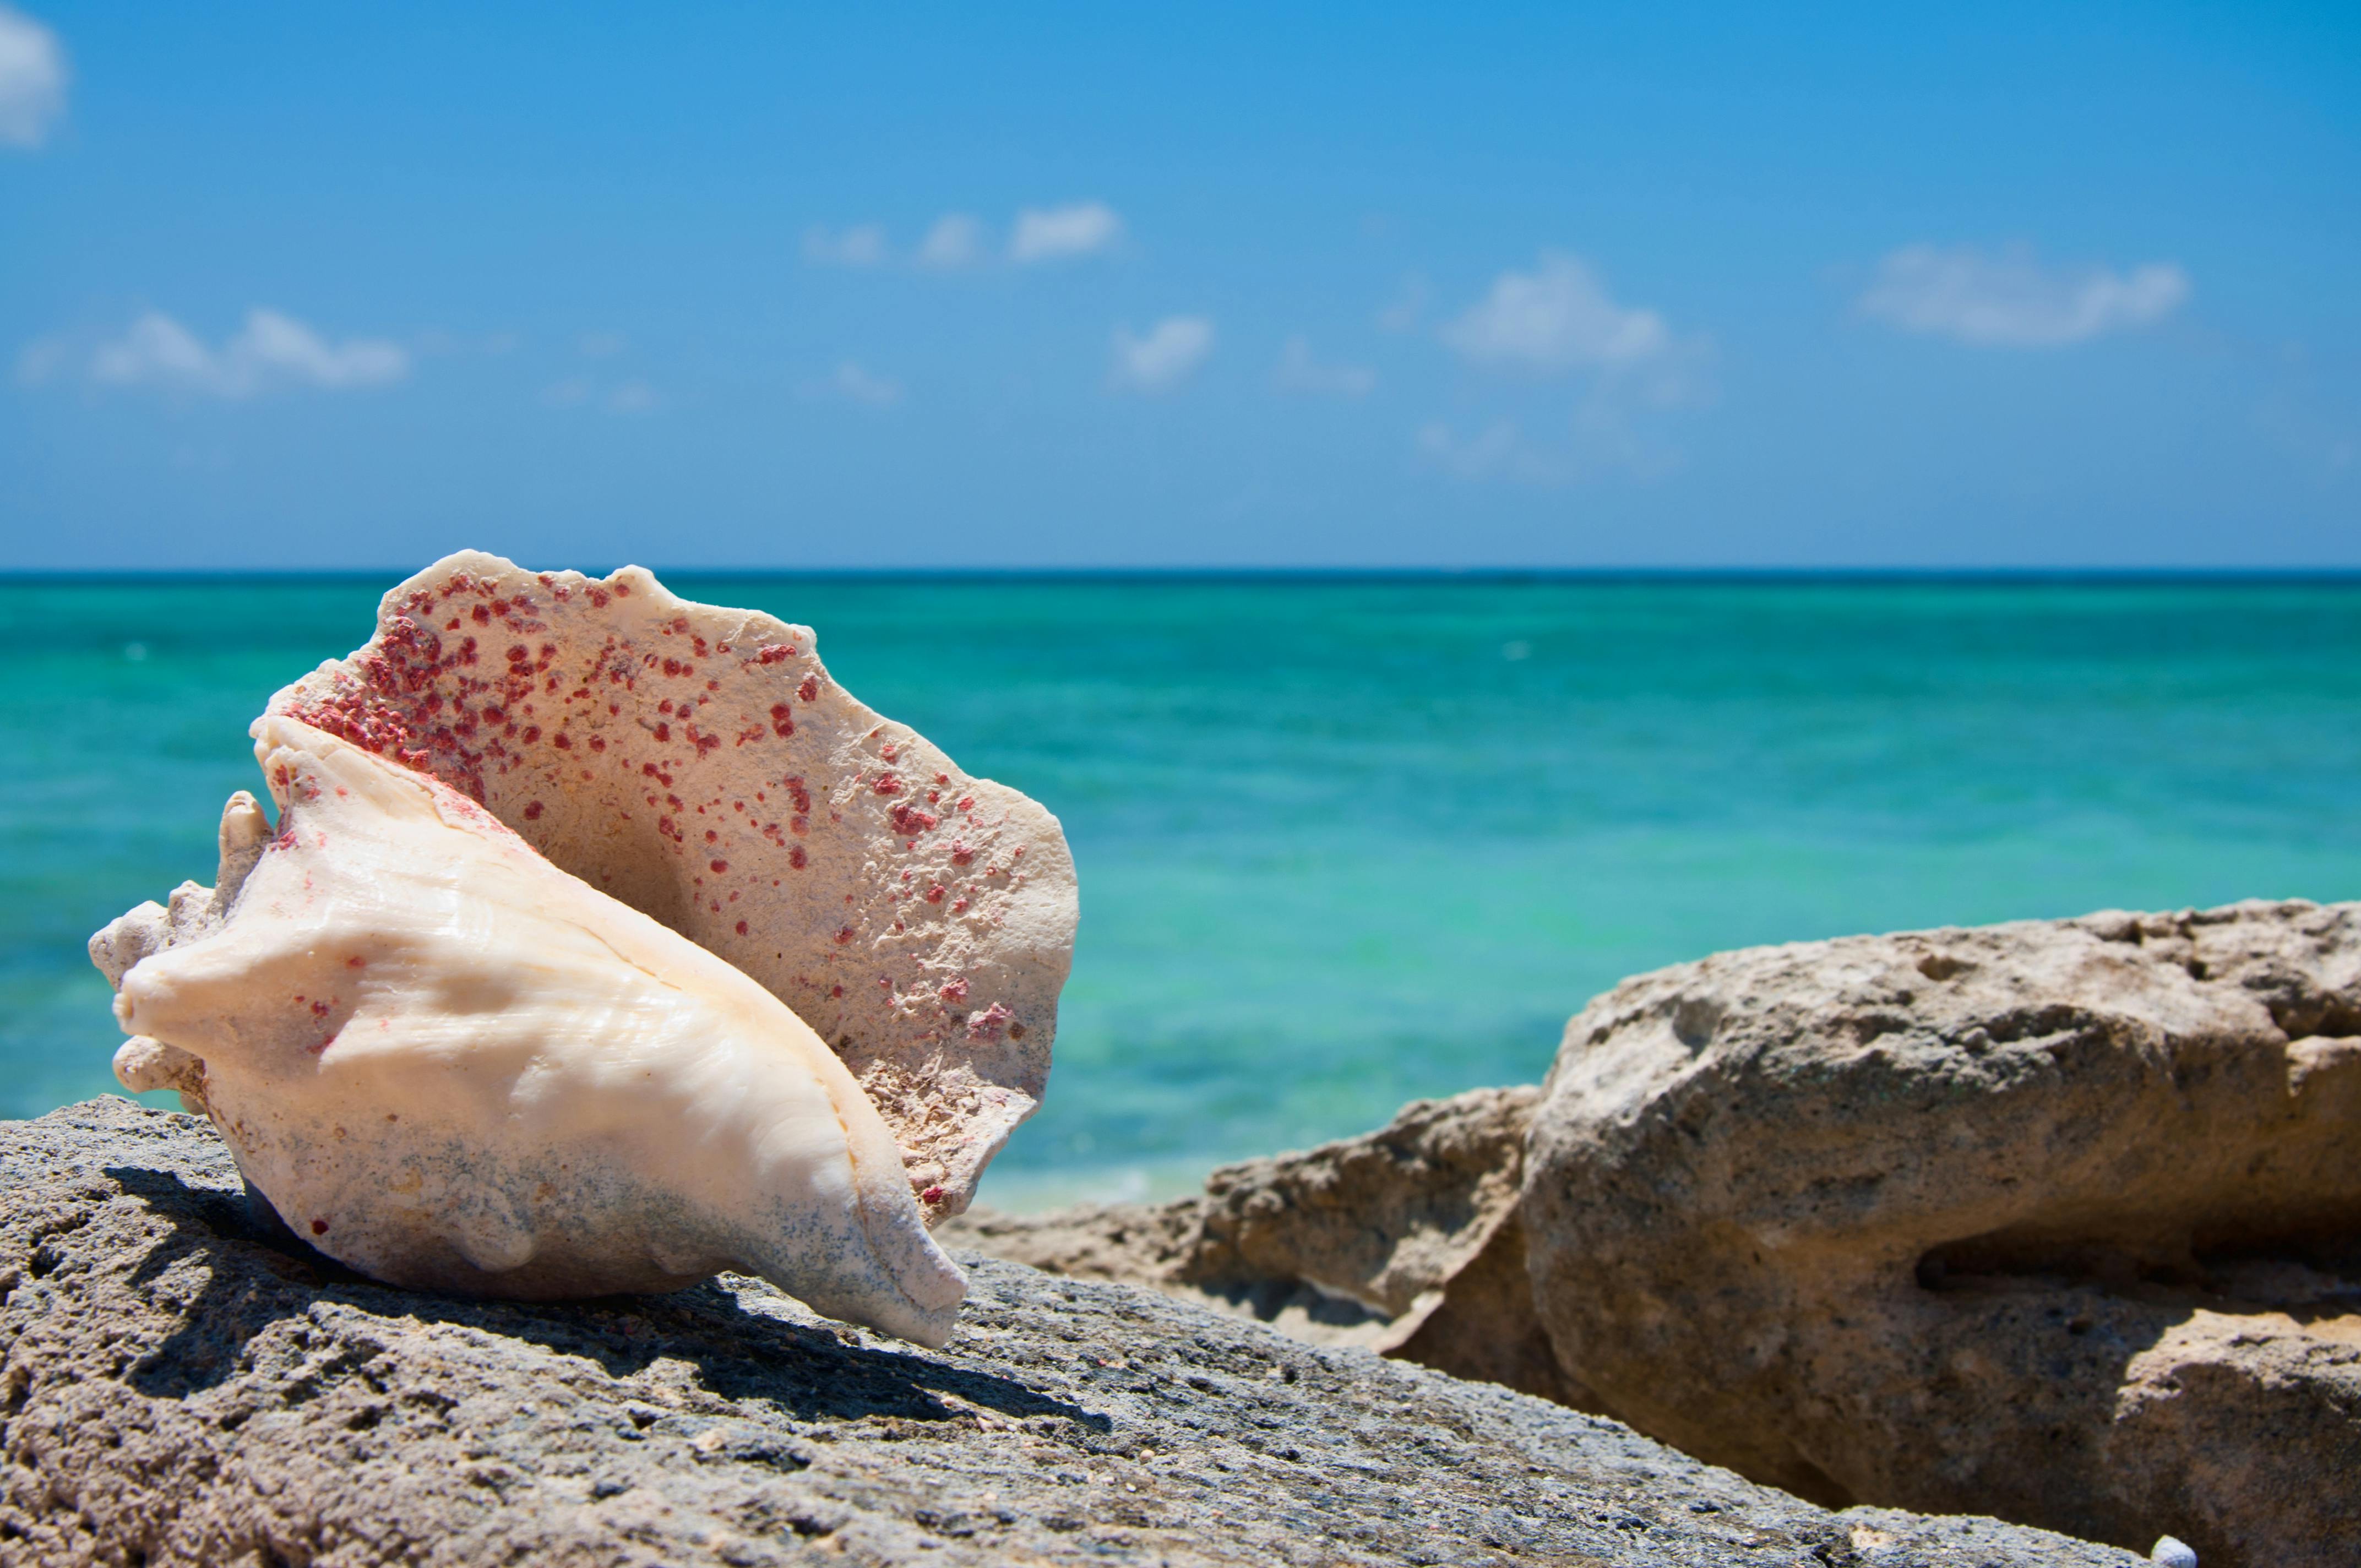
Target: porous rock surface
point(179, 1387)
point(1405, 1240)
point(2057, 1220)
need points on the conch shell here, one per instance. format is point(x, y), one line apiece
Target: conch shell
point(451, 1065)
point(700, 764)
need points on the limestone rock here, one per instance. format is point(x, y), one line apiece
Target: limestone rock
point(179, 1389)
point(2057, 1220)
point(1405, 1240)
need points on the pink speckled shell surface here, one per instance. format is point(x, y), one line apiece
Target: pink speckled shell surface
point(697, 763)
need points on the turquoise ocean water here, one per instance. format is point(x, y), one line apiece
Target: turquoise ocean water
point(1344, 841)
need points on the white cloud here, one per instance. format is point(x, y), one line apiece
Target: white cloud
point(272, 350)
point(601, 345)
point(851, 382)
point(2007, 300)
point(1045, 233)
point(32, 80)
point(863, 245)
point(277, 346)
point(1555, 318)
point(1300, 372)
point(955, 241)
point(1164, 358)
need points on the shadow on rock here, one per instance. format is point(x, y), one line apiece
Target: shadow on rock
point(260, 1274)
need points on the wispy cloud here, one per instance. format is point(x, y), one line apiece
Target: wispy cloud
point(851, 382)
point(1298, 371)
point(600, 344)
point(272, 350)
point(1407, 308)
point(1601, 438)
point(628, 397)
point(1496, 452)
point(32, 80)
point(1048, 233)
point(1556, 318)
point(42, 360)
point(1164, 358)
point(438, 343)
point(863, 245)
point(956, 241)
point(631, 397)
point(2008, 300)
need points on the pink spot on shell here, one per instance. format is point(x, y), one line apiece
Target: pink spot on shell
point(988, 1024)
point(810, 689)
point(887, 783)
point(954, 990)
point(742, 927)
point(533, 811)
point(320, 1227)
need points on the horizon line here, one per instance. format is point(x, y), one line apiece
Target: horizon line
point(1959, 575)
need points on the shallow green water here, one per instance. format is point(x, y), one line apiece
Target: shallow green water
point(1343, 842)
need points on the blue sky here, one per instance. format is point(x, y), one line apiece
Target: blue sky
point(327, 286)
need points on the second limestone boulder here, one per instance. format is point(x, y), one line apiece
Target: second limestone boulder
point(2056, 1220)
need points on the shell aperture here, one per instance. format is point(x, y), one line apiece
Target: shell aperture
point(450, 1065)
